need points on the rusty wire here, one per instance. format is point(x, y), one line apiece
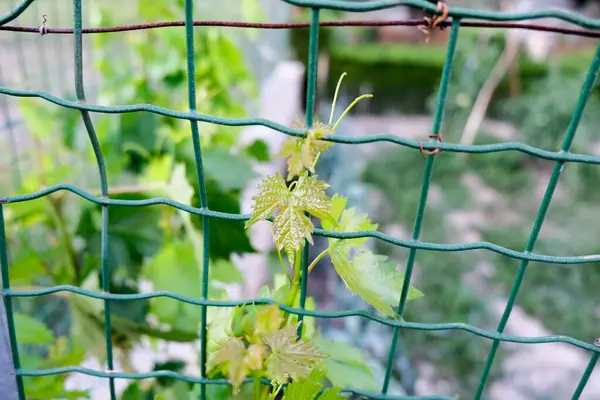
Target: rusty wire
point(591, 33)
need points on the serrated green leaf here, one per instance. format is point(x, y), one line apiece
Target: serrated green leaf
point(289, 356)
point(292, 227)
point(273, 191)
point(348, 221)
point(365, 273)
point(31, 331)
point(368, 275)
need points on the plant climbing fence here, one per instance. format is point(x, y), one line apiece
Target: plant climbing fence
point(454, 19)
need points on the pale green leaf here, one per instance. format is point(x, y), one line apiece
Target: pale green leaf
point(348, 221)
point(292, 227)
point(368, 275)
point(289, 356)
point(365, 273)
point(309, 194)
point(268, 320)
point(272, 192)
point(179, 189)
point(255, 356)
point(302, 152)
point(338, 204)
point(233, 355)
point(31, 331)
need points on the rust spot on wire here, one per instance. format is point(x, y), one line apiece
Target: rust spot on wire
point(298, 25)
point(434, 22)
point(437, 136)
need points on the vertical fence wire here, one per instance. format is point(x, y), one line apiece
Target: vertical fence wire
point(311, 86)
point(586, 376)
point(89, 126)
point(191, 79)
point(427, 174)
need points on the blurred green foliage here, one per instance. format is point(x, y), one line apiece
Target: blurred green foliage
point(56, 240)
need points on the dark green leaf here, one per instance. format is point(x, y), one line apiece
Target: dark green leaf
point(133, 234)
point(226, 237)
point(133, 392)
point(258, 150)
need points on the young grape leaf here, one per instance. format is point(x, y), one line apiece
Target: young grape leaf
point(365, 273)
point(255, 356)
point(268, 320)
point(368, 275)
point(291, 224)
point(349, 221)
point(288, 356)
point(233, 353)
point(302, 152)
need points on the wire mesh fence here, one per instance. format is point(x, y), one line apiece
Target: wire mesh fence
point(455, 20)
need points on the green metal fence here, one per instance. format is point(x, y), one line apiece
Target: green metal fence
point(414, 244)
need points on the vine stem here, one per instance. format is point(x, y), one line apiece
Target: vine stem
point(257, 389)
point(287, 273)
point(347, 110)
point(317, 259)
point(335, 96)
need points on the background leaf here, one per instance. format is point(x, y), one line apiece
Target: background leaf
point(31, 331)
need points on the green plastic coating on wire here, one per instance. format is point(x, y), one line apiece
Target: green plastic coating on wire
point(372, 138)
point(410, 244)
point(414, 244)
point(89, 127)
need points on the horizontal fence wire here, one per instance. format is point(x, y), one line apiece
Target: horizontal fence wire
point(489, 19)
